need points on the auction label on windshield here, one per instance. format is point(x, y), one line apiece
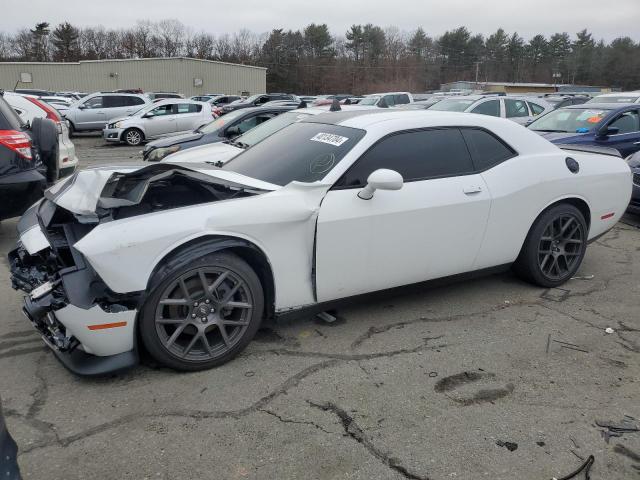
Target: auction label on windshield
point(335, 140)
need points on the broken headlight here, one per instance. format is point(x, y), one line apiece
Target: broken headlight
point(159, 153)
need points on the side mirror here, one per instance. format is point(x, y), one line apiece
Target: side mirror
point(606, 131)
point(148, 115)
point(232, 132)
point(81, 107)
point(381, 179)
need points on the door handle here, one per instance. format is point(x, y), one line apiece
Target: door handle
point(472, 189)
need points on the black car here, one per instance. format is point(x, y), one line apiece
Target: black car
point(22, 174)
point(256, 101)
point(634, 163)
point(224, 128)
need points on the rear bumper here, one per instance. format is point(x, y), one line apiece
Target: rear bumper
point(20, 190)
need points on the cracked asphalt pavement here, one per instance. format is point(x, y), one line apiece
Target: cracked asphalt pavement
point(485, 378)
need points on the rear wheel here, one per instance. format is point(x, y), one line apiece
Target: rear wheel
point(133, 137)
point(554, 248)
point(203, 313)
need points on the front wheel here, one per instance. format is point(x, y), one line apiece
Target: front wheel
point(133, 137)
point(554, 247)
point(203, 312)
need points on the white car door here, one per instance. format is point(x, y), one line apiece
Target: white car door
point(160, 121)
point(188, 117)
point(517, 111)
point(432, 227)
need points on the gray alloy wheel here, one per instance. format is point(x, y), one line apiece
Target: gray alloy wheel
point(133, 137)
point(560, 246)
point(203, 314)
point(202, 310)
point(554, 247)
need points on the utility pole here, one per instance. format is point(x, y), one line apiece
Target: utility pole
point(477, 71)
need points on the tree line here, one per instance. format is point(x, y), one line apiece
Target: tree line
point(365, 58)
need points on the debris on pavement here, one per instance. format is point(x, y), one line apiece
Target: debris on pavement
point(586, 466)
point(583, 277)
point(511, 446)
point(609, 330)
point(616, 429)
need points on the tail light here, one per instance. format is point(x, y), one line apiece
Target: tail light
point(51, 112)
point(16, 141)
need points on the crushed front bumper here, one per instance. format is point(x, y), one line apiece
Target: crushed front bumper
point(89, 331)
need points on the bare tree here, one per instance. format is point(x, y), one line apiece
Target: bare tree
point(171, 37)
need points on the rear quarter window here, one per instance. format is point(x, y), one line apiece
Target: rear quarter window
point(486, 149)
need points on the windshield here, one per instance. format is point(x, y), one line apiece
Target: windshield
point(615, 99)
point(303, 152)
point(269, 127)
point(369, 101)
point(453, 105)
point(251, 99)
point(220, 122)
point(569, 120)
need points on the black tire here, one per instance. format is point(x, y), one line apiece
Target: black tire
point(554, 247)
point(172, 330)
point(133, 137)
point(45, 140)
point(72, 129)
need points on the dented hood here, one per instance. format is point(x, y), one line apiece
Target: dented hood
point(87, 191)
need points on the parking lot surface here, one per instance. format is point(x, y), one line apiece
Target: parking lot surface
point(485, 378)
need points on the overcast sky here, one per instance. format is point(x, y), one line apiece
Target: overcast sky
point(606, 19)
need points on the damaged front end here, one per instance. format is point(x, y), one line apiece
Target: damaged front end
point(65, 297)
point(90, 327)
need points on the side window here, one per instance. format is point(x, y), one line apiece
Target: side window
point(515, 108)
point(627, 122)
point(94, 102)
point(114, 101)
point(189, 108)
point(247, 124)
point(535, 108)
point(486, 149)
point(491, 107)
point(416, 155)
point(162, 110)
point(132, 101)
point(401, 99)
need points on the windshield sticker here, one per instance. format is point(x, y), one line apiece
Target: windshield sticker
point(591, 116)
point(335, 140)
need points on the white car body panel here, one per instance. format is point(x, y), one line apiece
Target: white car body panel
point(427, 229)
point(142, 242)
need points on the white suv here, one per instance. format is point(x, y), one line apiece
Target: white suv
point(385, 100)
point(94, 111)
point(519, 109)
point(29, 107)
point(160, 119)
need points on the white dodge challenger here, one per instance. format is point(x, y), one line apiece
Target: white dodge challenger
point(186, 260)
